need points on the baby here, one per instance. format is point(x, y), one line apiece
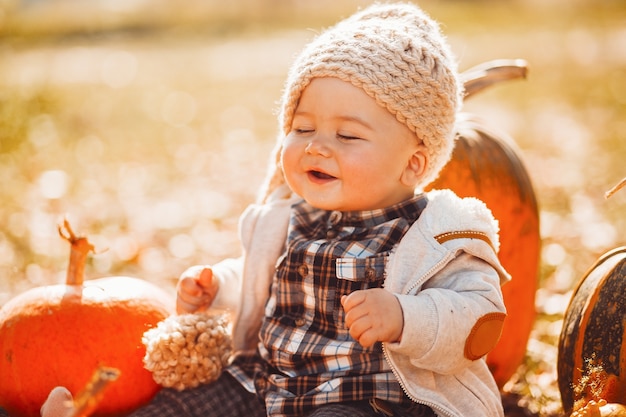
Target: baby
point(357, 294)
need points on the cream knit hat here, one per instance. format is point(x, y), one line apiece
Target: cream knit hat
point(398, 56)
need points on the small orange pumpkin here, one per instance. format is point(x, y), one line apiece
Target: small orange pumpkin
point(486, 164)
point(591, 361)
point(57, 335)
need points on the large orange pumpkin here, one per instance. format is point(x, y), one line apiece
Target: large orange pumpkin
point(591, 362)
point(58, 335)
point(486, 164)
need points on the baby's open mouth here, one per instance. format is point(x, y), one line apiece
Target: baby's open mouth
point(321, 175)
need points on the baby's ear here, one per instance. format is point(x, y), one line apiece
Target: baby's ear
point(415, 167)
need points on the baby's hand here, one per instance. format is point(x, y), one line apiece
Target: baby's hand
point(196, 290)
point(372, 316)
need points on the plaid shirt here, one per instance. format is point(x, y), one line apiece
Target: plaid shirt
point(307, 357)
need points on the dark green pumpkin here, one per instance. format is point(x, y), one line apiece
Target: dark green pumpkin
point(591, 362)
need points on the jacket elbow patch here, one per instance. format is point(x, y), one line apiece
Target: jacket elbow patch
point(484, 335)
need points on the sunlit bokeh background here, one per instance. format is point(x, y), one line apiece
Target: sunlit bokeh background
point(149, 124)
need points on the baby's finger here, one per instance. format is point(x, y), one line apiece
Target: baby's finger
point(352, 300)
point(205, 278)
point(190, 296)
point(357, 328)
point(354, 315)
point(186, 307)
point(368, 338)
point(209, 284)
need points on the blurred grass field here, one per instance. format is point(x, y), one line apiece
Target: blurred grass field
point(149, 125)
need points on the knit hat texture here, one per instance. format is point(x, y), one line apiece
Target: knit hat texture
point(398, 56)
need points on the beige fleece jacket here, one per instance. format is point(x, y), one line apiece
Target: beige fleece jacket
point(446, 275)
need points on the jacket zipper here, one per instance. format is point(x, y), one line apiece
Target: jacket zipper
point(427, 275)
point(430, 272)
point(406, 391)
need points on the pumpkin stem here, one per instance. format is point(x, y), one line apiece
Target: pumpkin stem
point(80, 248)
point(484, 75)
point(87, 400)
point(616, 188)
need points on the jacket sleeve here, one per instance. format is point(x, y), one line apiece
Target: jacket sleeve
point(455, 318)
point(229, 273)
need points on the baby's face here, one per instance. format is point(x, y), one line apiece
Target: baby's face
point(345, 152)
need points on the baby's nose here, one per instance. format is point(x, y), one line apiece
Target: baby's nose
point(318, 145)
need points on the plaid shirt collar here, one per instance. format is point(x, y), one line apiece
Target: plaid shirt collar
point(307, 216)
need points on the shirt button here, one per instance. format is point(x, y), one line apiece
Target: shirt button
point(303, 270)
point(334, 218)
point(331, 234)
point(300, 322)
point(370, 273)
